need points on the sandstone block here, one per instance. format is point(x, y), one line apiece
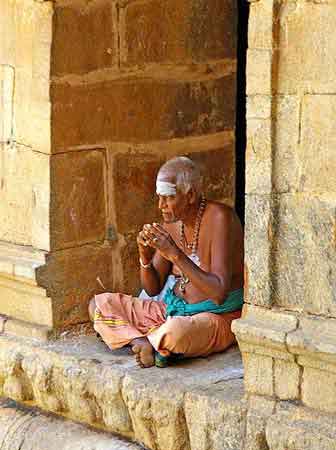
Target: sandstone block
point(304, 47)
point(114, 111)
point(260, 26)
point(41, 201)
point(78, 200)
point(272, 157)
point(286, 380)
point(16, 194)
point(25, 301)
point(259, 410)
point(70, 278)
point(259, 161)
point(179, 31)
point(87, 30)
point(216, 418)
point(6, 103)
point(318, 136)
point(258, 72)
point(258, 374)
point(218, 169)
point(261, 327)
point(304, 237)
point(258, 248)
point(314, 340)
point(7, 45)
point(285, 137)
point(299, 428)
point(132, 181)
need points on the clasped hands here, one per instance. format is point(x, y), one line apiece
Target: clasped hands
point(154, 237)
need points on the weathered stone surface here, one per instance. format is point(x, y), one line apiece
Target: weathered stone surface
point(287, 380)
point(24, 205)
point(78, 201)
point(318, 389)
point(259, 410)
point(169, 407)
point(132, 180)
point(16, 194)
point(314, 340)
point(30, 62)
point(258, 374)
point(272, 155)
point(264, 327)
point(259, 160)
point(82, 379)
point(299, 428)
point(70, 279)
point(318, 137)
point(41, 201)
point(260, 25)
point(259, 72)
point(216, 418)
point(87, 30)
point(179, 31)
point(22, 299)
point(112, 111)
point(6, 102)
point(22, 429)
point(218, 169)
point(258, 249)
point(304, 47)
point(304, 237)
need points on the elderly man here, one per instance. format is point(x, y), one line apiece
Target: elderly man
point(195, 260)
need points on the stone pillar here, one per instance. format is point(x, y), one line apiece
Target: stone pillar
point(128, 84)
point(287, 334)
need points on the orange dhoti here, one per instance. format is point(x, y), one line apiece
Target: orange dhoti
point(121, 318)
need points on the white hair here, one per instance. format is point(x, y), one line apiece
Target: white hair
point(185, 173)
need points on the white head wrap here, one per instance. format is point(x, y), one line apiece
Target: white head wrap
point(165, 188)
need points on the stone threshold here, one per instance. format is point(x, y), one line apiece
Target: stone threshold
point(196, 404)
point(23, 428)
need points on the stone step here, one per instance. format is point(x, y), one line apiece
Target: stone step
point(24, 428)
point(197, 404)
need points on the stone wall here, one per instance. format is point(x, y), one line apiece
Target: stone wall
point(287, 335)
point(124, 86)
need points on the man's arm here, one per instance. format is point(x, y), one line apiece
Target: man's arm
point(215, 284)
point(153, 277)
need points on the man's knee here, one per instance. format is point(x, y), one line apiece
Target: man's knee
point(177, 329)
point(92, 308)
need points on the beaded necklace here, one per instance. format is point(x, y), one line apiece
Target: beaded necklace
point(193, 245)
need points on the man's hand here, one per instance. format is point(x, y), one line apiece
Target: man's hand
point(158, 238)
point(146, 251)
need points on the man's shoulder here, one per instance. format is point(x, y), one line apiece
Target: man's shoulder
point(220, 211)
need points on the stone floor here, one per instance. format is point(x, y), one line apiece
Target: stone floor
point(197, 404)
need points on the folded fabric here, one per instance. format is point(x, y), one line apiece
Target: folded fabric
point(176, 306)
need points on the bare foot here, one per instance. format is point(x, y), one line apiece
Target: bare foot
point(144, 353)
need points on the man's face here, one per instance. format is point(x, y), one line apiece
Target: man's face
point(173, 204)
point(173, 207)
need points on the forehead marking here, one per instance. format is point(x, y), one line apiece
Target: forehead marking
point(165, 188)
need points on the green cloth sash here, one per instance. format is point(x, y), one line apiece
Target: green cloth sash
point(176, 306)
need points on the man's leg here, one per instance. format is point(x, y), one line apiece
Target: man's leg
point(198, 335)
point(121, 319)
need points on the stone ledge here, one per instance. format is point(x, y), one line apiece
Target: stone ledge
point(261, 327)
point(82, 380)
point(23, 428)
